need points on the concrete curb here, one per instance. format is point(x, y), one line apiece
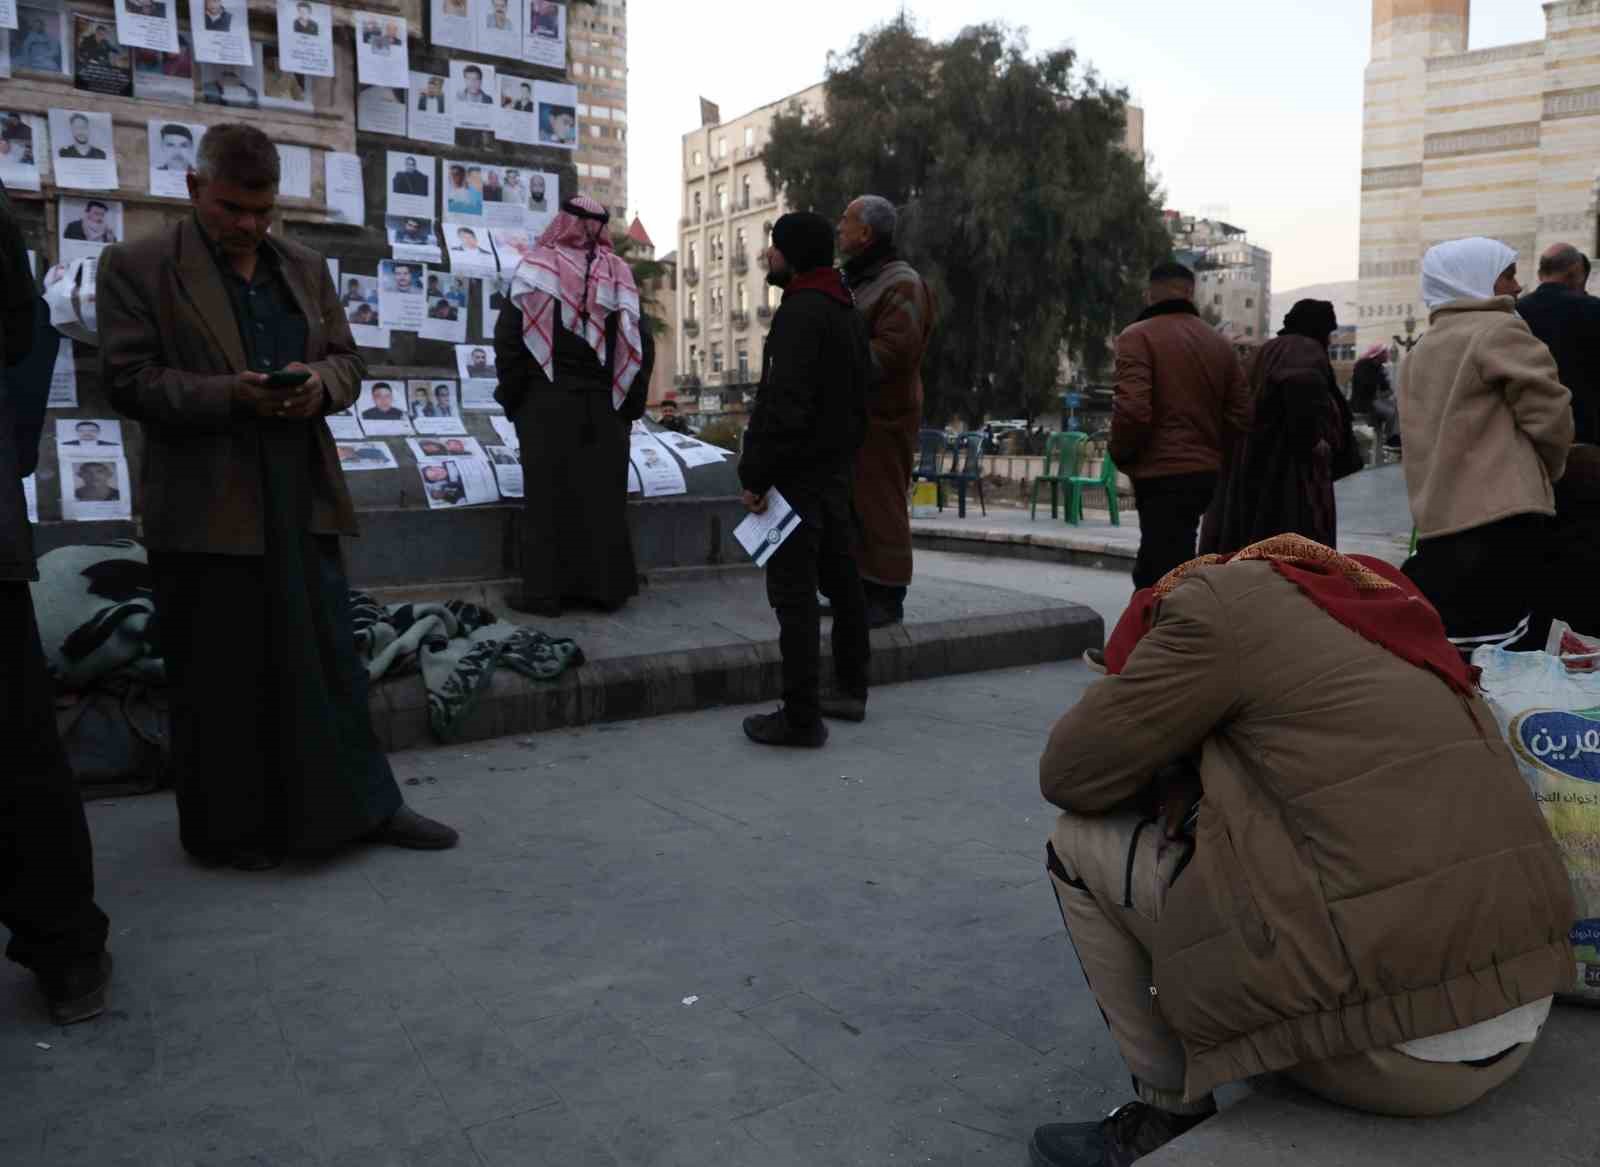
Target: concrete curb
point(1076, 550)
point(629, 688)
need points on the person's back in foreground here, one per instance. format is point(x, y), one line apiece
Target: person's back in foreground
point(808, 423)
point(1370, 900)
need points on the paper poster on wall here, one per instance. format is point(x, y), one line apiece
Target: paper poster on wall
point(463, 193)
point(544, 40)
point(64, 379)
point(558, 114)
point(95, 488)
point(221, 32)
point(40, 43)
point(451, 24)
point(333, 269)
point(24, 143)
point(454, 482)
point(447, 308)
point(294, 165)
point(87, 227)
point(494, 297)
point(441, 447)
point(345, 188)
point(470, 251)
point(659, 472)
point(381, 51)
point(428, 109)
point(692, 450)
point(507, 471)
point(165, 76)
point(282, 88)
point(507, 430)
point(358, 296)
point(344, 426)
point(89, 436)
point(355, 456)
point(400, 294)
point(412, 238)
point(544, 197)
point(498, 24)
point(5, 52)
point(513, 247)
point(475, 361)
point(305, 37)
point(234, 86)
point(148, 24)
point(380, 410)
point(505, 197)
point(8, 14)
point(85, 156)
point(100, 64)
point(410, 179)
point(471, 91)
point(381, 109)
point(434, 408)
point(172, 153)
point(514, 120)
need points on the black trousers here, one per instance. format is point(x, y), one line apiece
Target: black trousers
point(46, 858)
point(1485, 582)
point(1169, 522)
point(818, 554)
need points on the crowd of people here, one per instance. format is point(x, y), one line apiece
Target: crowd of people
point(1240, 861)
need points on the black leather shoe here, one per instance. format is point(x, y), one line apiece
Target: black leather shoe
point(406, 828)
point(844, 708)
point(78, 992)
point(775, 729)
point(1127, 1135)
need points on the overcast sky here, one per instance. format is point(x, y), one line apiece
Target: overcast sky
point(1252, 107)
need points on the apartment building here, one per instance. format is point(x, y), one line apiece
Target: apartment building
point(597, 48)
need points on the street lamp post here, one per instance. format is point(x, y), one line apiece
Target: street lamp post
point(1411, 340)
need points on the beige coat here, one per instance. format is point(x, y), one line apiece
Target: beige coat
point(1370, 866)
point(169, 355)
point(1484, 417)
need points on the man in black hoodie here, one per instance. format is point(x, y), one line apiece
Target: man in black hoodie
point(46, 862)
point(809, 421)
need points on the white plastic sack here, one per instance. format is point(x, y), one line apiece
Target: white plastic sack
point(69, 293)
point(1550, 716)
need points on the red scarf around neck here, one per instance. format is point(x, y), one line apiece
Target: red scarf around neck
point(826, 280)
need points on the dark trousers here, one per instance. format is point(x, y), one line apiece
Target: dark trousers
point(46, 859)
point(1169, 522)
point(1485, 582)
point(818, 554)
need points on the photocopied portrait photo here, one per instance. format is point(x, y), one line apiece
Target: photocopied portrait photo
point(148, 24)
point(435, 409)
point(165, 77)
point(411, 182)
point(475, 361)
point(381, 57)
point(412, 238)
point(221, 32)
point(544, 40)
point(101, 64)
point(85, 155)
point(401, 294)
point(472, 90)
point(172, 153)
point(88, 227)
point(428, 109)
point(23, 141)
point(305, 37)
point(447, 300)
point(558, 115)
point(470, 251)
point(380, 408)
point(355, 456)
point(235, 86)
point(88, 435)
point(39, 42)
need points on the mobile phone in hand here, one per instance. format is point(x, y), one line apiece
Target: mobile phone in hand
point(283, 379)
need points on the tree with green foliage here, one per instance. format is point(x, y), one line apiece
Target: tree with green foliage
point(1019, 204)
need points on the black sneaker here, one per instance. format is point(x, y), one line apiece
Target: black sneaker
point(844, 708)
point(78, 992)
point(775, 729)
point(1130, 1132)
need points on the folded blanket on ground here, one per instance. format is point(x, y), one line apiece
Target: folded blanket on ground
point(99, 628)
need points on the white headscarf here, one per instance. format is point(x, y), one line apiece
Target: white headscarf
point(1463, 269)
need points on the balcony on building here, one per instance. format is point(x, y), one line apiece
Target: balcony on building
point(763, 311)
point(740, 318)
point(691, 275)
point(687, 381)
point(691, 326)
point(741, 261)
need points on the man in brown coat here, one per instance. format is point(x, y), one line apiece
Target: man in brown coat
point(229, 347)
point(1365, 895)
point(1180, 391)
point(899, 310)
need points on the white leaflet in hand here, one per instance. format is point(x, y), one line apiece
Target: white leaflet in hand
point(344, 425)
point(381, 109)
point(354, 456)
point(85, 153)
point(471, 253)
point(401, 294)
point(148, 24)
point(498, 26)
point(25, 147)
point(221, 30)
point(305, 37)
point(8, 14)
point(507, 429)
point(544, 40)
point(433, 407)
point(471, 95)
point(64, 379)
point(507, 471)
point(428, 109)
point(412, 180)
point(761, 535)
point(692, 450)
point(295, 165)
point(95, 487)
point(658, 470)
point(446, 317)
point(381, 408)
point(382, 53)
point(346, 196)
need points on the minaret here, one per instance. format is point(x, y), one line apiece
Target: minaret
point(1419, 28)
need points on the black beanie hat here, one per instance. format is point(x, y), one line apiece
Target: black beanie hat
point(806, 240)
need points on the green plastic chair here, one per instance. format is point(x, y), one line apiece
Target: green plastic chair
point(1062, 451)
point(1106, 482)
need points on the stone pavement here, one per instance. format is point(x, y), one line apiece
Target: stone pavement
point(877, 970)
point(1374, 519)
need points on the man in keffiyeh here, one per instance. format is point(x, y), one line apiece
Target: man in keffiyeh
point(574, 367)
point(1294, 841)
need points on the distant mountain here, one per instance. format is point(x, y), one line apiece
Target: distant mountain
point(1343, 295)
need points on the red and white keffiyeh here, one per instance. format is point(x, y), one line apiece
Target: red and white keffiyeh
point(575, 265)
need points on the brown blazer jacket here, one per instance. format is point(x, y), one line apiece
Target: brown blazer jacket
point(169, 356)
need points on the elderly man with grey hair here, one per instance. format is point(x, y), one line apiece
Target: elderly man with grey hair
point(228, 345)
point(899, 310)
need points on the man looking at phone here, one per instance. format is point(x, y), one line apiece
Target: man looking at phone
point(229, 346)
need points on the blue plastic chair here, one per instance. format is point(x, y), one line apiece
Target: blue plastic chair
point(965, 471)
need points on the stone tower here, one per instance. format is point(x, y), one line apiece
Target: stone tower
point(1419, 28)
